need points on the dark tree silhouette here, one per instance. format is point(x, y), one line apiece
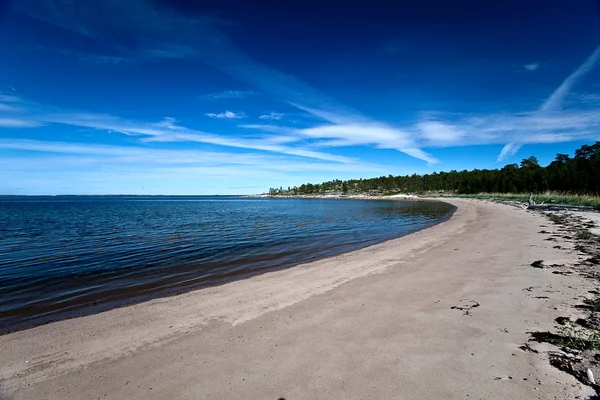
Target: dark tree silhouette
point(578, 175)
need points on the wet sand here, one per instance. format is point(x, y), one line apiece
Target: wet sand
point(437, 314)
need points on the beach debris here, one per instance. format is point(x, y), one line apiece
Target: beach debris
point(578, 340)
point(467, 308)
point(527, 347)
point(558, 207)
point(530, 288)
point(538, 264)
point(590, 376)
point(531, 205)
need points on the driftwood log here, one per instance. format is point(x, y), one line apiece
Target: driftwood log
point(558, 207)
point(555, 207)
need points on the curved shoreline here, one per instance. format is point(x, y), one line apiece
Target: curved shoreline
point(124, 297)
point(391, 309)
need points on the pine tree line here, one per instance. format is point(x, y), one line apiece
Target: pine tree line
point(578, 175)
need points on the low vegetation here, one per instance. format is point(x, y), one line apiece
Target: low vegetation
point(584, 234)
point(593, 304)
point(576, 337)
point(557, 218)
point(541, 198)
point(572, 336)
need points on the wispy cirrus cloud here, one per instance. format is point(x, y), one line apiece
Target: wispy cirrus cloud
point(557, 98)
point(103, 59)
point(517, 130)
point(165, 130)
point(440, 133)
point(18, 123)
point(86, 168)
point(203, 40)
point(561, 133)
point(380, 136)
point(5, 98)
point(268, 128)
point(509, 150)
point(527, 127)
point(589, 98)
point(8, 107)
point(273, 116)
point(226, 115)
point(532, 67)
point(82, 56)
point(228, 94)
point(136, 153)
point(549, 124)
point(9, 103)
point(163, 33)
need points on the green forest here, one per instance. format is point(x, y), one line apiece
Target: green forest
point(579, 174)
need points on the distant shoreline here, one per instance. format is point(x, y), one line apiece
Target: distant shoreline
point(121, 195)
point(340, 196)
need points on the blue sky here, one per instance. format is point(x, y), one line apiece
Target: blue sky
point(232, 97)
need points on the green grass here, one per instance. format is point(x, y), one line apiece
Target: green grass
point(572, 336)
point(546, 198)
point(577, 338)
point(593, 304)
point(557, 218)
point(584, 234)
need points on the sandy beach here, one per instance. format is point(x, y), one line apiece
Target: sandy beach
point(434, 315)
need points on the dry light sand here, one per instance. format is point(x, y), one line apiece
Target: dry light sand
point(376, 323)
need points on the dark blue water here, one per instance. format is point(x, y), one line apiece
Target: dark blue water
point(65, 256)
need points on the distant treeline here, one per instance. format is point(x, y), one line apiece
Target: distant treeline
point(579, 174)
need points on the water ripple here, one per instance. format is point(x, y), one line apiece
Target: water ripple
point(67, 256)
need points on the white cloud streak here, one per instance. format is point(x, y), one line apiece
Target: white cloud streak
point(344, 135)
point(440, 133)
point(68, 153)
point(268, 128)
point(103, 59)
point(557, 98)
point(82, 57)
point(18, 123)
point(586, 99)
point(532, 67)
point(508, 151)
point(228, 94)
point(523, 128)
point(273, 116)
point(158, 32)
point(165, 130)
point(226, 115)
point(9, 98)
point(561, 125)
point(7, 107)
point(161, 32)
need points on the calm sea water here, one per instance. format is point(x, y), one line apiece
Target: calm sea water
point(66, 256)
